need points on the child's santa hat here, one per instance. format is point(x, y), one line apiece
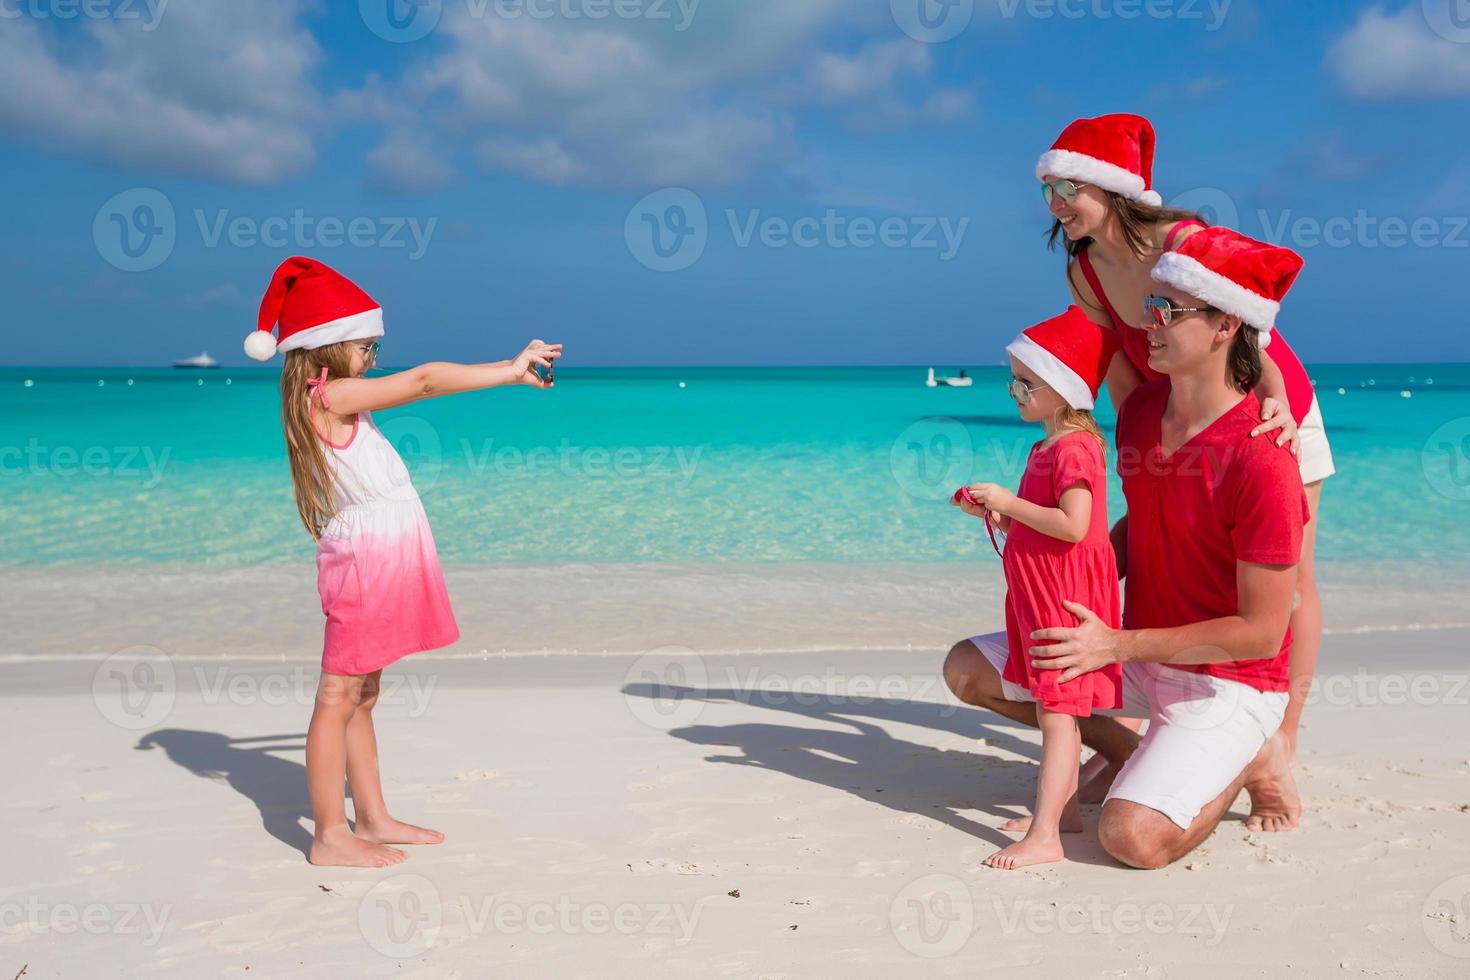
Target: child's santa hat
point(1070, 353)
point(315, 305)
point(1233, 273)
point(1114, 152)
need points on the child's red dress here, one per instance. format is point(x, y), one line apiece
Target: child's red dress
point(1041, 572)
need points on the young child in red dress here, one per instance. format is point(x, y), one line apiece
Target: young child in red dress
point(1057, 552)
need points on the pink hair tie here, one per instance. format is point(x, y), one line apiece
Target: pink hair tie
point(318, 386)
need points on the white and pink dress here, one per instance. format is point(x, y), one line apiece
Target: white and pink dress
point(378, 571)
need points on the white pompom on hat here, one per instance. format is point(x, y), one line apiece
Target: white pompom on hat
point(314, 305)
point(1114, 152)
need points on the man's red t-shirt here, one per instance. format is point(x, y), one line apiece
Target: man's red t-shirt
point(1221, 498)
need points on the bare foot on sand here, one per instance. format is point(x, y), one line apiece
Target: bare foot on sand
point(1071, 823)
point(338, 847)
point(1026, 851)
point(390, 831)
point(1275, 804)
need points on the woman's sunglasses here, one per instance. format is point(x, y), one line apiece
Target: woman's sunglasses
point(1064, 188)
point(1159, 311)
point(370, 351)
point(1023, 392)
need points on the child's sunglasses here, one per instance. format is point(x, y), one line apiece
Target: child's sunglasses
point(1064, 188)
point(1159, 311)
point(1022, 392)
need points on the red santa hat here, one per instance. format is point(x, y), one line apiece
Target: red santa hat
point(315, 305)
point(1114, 152)
point(1233, 273)
point(1070, 353)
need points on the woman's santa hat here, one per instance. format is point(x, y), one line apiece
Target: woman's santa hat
point(1070, 353)
point(315, 305)
point(1233, 273)
point(1114, 152)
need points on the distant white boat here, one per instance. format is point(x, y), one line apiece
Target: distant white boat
point(200, 360)
point(962, 380)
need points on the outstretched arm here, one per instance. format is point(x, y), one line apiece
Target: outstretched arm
point(1264, 595)
point(349, 396)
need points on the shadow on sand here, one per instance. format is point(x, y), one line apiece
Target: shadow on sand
point(276, 786)
point(862, 758)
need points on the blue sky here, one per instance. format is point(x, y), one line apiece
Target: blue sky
point(495, 160)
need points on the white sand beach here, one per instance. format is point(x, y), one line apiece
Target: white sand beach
point(685, 812)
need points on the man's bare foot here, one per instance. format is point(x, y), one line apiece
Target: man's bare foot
point(1071, 823)
point(390, 831)
point(338, 847)
point(1026, 851)
point(1275, 804)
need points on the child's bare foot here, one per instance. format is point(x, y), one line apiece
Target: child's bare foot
point(338, 847)
point(390, 831)
point(1071, 823)
point(1024, 852)
point(1275, 804)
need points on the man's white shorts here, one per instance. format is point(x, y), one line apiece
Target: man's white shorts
point(1202, 731)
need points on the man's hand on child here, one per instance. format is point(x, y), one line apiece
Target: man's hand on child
point(1078, 650)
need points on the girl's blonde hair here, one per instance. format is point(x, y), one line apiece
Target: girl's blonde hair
point(311, 474)
point(1080, 420)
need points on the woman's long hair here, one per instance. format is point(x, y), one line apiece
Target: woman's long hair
point(311, 474)
point(1136, 219)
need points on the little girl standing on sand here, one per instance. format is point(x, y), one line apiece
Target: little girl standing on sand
point(377, 569)
point(1057, 551)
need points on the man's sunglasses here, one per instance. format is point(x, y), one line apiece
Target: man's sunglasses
point(1159, 311)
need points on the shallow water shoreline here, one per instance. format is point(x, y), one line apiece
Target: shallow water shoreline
point(271, 612)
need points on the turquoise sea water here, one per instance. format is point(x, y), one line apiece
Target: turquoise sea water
point(117, 466)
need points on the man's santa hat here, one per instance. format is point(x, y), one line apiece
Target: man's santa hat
point(1070, 353)
point(315, 305)
point(1114, 152)
point(1233, 273)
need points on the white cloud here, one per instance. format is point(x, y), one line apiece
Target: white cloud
point(216, 89)
point(406, 162)
point(633, 104)
point(544, 160)
point(1398, 56)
